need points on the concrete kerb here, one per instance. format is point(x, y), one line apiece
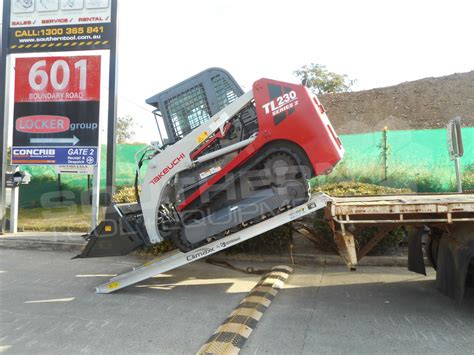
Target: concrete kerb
point(314, 259)
point(66, 241)
point(50, 241)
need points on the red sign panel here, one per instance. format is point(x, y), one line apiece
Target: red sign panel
point(57, 110)
point(57, 79)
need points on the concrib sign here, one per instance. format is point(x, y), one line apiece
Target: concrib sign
point(59, 25)
point(56, 110)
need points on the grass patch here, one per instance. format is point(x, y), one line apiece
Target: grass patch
point(74, 218)
point(349, 188)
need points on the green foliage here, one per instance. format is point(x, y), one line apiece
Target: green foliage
point(386, 245)
point(156, 249)
point(125, 194)
point(124, 130)
point(322, 81)
point(467, 179)
point(276, 241)
point(350, 188)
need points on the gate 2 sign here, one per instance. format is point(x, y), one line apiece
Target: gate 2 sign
point(56, 111)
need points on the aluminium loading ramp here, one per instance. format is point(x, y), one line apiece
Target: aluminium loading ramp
point(175, 259)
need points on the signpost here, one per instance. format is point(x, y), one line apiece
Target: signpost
point(57, 96)
point(3, 114)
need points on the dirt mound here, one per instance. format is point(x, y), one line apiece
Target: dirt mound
point(420, 104)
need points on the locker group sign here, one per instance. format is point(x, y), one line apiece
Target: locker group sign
point(56, 110)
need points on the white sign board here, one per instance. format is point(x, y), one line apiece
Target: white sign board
point(455, 145)
point(40, 13)
point(73, 169)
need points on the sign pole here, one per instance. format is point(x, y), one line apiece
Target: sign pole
point(14, 209)
point(3, 111)
point(458, 174)
point(14, 206)
point(95, 195)
point(95, 201)
point(112, 115)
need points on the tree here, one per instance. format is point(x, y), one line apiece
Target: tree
point(125, 130)
point(322, 81)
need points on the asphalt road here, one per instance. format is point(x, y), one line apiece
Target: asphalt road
point(48, 305)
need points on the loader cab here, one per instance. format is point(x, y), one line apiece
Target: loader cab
point(185, 106)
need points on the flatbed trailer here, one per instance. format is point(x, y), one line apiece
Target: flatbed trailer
point(447, 221)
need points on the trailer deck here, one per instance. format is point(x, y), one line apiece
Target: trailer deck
point(446, 208)
point(349, 215)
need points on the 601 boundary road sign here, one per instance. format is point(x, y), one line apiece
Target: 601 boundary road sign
point(56, 110)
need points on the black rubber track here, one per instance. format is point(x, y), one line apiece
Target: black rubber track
point(218, 197)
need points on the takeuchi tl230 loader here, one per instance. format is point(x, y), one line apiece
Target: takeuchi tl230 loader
point(226, 160)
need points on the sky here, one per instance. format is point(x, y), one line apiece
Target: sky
point(378, 43)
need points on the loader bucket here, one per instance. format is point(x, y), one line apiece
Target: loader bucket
point(120, 233)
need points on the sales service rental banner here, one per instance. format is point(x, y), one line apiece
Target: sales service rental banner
point(59, 25)
point(56, 110)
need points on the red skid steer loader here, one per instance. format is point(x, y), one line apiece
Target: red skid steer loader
point(226, 160)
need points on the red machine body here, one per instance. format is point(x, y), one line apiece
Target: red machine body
point(286, 113)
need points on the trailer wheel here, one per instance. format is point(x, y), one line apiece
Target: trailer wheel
point(431, 249)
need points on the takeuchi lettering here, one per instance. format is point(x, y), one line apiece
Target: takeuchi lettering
point(167, 169)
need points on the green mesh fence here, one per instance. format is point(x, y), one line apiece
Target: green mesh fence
point(415, 159)
point(420, 148)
